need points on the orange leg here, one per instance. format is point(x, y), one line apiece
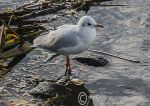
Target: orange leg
point(68, 67)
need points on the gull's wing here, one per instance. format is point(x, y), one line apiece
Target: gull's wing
point(64, 36)
point(64, 26)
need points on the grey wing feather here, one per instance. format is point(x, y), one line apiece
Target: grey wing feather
point(66, 41)
point(64, 36)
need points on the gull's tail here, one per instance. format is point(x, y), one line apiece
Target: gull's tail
point(32, 46)
point(41, 41)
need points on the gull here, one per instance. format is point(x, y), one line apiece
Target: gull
point(69, 39)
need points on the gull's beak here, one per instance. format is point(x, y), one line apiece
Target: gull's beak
point(98, 25)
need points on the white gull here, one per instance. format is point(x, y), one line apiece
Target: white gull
point(69, 39)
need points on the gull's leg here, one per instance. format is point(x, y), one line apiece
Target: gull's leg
point(68, 67)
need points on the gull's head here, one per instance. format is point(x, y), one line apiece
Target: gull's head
point(87, 21)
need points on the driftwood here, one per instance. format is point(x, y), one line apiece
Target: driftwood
point(23, 49)
point(21, 16)
point(43, 12)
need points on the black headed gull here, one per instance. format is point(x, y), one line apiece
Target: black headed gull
point(69, 39)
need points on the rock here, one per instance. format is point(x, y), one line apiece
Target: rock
point(34, 80)
point(22, 84)
point(43, 89)
point(23, 69)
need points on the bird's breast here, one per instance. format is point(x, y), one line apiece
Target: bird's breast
point(88, 36)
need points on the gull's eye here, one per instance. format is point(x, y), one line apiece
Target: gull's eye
point(89, 24)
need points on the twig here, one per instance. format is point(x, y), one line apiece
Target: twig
point(134, 61)
point(10, 19)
